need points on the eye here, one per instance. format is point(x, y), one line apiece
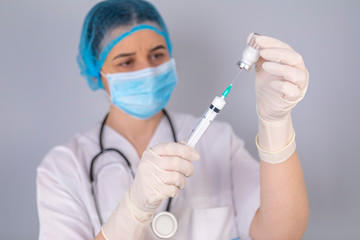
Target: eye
point(126, 63)
point(157, 56)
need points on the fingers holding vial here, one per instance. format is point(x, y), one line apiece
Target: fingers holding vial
point(281, 75)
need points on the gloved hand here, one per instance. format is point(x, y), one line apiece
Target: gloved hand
point(161, 173)
point(281, 82)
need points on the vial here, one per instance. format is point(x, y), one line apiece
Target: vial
point(250, 54)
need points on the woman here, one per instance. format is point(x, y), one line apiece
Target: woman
point(125, 49)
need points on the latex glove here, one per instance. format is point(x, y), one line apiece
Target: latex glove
point(281, 82)
point(162, 172)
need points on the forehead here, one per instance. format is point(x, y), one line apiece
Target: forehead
point(140, 41)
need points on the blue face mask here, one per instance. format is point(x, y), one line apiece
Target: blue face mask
point(143, 93)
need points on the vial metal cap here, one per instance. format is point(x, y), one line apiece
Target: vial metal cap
point(243, 65)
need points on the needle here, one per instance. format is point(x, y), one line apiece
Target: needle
point(236, 77)
point(227, 90)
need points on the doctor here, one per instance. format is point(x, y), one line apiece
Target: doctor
point(137, 168)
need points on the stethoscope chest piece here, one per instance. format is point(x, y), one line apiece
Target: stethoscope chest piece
point(164, 225)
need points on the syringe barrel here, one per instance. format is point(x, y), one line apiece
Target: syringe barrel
point(198, 131)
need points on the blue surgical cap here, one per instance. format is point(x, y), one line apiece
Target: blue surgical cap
point(106, 24)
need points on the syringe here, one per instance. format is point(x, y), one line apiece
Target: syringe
point(215, 107)
point(249, 57)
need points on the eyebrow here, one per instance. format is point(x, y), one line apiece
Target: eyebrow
point(123, 55)
point(157, 47)
point(132, 54)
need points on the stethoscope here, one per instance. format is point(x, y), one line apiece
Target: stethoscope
point(164, 224)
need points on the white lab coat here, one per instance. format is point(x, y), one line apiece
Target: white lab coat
point(218, 202)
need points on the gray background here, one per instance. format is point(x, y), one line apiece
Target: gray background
point(44, 101)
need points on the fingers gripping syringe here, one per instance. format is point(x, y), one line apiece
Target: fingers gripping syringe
point(249, 57)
